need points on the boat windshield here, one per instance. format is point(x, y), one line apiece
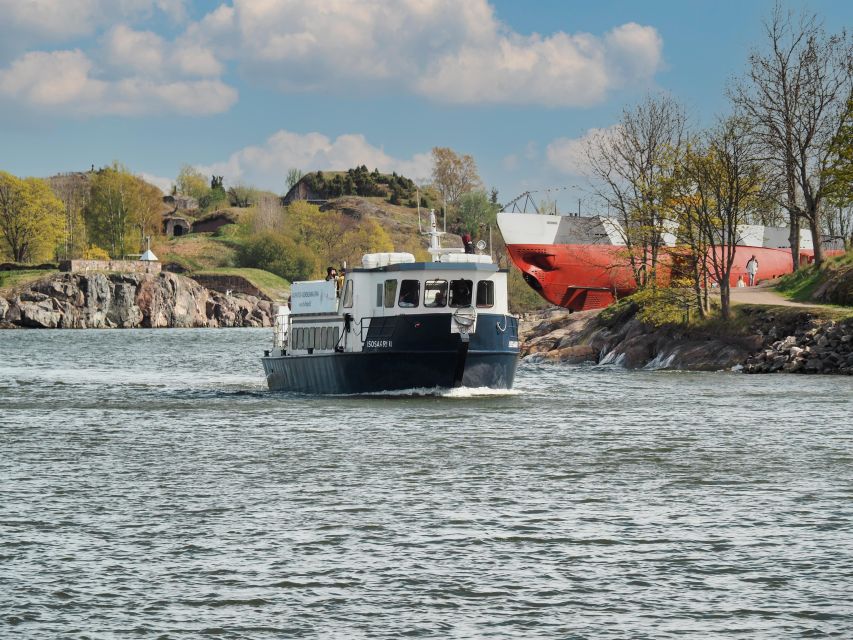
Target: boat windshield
point(460, 293)
point(435, 293)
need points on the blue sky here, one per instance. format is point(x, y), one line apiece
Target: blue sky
point(250, 88)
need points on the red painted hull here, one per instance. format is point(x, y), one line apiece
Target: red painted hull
point(585, 276)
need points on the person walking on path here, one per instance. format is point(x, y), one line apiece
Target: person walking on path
point(752, 269)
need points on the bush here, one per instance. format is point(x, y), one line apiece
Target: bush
point(279, 255)
point(94, 252)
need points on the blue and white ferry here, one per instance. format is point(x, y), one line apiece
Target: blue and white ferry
point(397, 324)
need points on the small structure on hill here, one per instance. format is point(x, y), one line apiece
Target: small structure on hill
point(213, 221)
point(181, 202)
point(302, 191)
point(175, 226)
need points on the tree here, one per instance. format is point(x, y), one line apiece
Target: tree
point(838, 214)
point(192, 182)
point(294, 175)
point(73, 190)
point(278, 254)
point(453, 174)
point(633, 168)
point(269, 214)
point(726, 178)
point(122, 209)
point(242, 195)
point(32, 218)
point(476, 212)
point(795, 96)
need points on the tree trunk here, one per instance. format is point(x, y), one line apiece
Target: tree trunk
point(814, 227)
point(794, 238)
point(725, 299)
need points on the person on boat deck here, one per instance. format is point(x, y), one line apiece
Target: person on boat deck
point(752, 269)
point(331, 274)
point(466, 241)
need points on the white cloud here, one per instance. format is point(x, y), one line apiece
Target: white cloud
point(60, 20)
point(455, 52)
point(65, 82)
point(164, 184)
point(266, 165)
point(569, 155)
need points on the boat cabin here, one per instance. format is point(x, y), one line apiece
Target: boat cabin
point(352, 316)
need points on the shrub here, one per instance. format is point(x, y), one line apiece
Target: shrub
point(278, 254)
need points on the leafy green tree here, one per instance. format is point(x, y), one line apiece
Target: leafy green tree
point(121, 210)
point(242, 195)
point(476, 212)
point(192, 182)
point(294, 175)
point(32, 218)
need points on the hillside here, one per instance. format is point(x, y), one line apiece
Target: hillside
point(832, 283)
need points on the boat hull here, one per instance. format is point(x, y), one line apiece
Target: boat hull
point(407, 352)
point(582, 276)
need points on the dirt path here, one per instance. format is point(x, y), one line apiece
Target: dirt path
point(764, 294)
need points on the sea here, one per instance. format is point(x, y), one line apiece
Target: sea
point(152, 487)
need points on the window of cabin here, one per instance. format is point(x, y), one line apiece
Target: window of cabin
point(460, 293)
point(324, 338)
point(390, 293)
point(311, 335)
point(410, 293)
point(299, 339)
point(435, 293)
point(378, 294)
point(348, 295)
point(336, 337)
point(485, 293)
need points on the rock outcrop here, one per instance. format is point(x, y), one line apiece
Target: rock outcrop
point(795, 341)
point(819, 347)
point(128, 300)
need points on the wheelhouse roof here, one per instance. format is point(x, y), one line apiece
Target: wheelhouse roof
point(431, 266)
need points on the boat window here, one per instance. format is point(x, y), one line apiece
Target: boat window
point(298, 339)
point(348, 295)
point(311, 334)
point(324, 338)
point(435, 293)
point(410, 293)
point(485, 293)
point(378, 294)
point(390, 293)
point(336, 338)
point(460, 293)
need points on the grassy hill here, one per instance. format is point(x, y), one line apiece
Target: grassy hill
point(832, 283)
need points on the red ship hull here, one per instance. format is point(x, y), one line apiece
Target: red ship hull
point(583, 276)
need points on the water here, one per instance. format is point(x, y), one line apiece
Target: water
point(151, 487)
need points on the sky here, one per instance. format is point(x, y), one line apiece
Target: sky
point(248, 89)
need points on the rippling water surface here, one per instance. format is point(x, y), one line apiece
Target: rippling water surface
point(150, 486)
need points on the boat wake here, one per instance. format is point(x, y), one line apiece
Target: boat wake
point(440, 392)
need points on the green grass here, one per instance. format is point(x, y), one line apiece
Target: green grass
point(801, 285)
point(12, 279)
point(272, 285)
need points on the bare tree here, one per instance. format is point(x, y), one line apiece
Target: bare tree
point(453, 174)
point(794, 94)
point(726, 177)
point(269, 214)
point(632, 170)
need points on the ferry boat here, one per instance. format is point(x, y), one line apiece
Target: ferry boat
point(396, 324)
point(579, 262)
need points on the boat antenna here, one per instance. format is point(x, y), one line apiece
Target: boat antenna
point(418, 192)
point(445, 215)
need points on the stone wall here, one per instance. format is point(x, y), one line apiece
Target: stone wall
point(114, 266)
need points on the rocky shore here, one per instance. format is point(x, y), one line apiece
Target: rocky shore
point(128, 300)
point(791, 340)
